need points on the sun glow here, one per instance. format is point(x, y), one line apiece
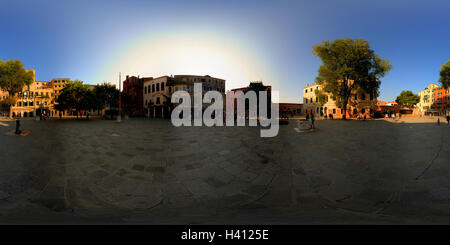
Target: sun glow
point(182, 53)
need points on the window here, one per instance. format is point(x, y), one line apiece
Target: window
point(310, 90)
point(170, 89)
point(317, 99)
point(162, 86)
point(153, 88)
point(145, 92)
point(306, 91)
point(306, 101)
point(371, 96)
point(157, 101)
point(157, 87)
point(334, 111)
point(363, 96)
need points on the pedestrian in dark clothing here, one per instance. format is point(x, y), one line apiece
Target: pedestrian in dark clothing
point(438, 121)
point(448, 119)
point(312, 121)
point(307, 116)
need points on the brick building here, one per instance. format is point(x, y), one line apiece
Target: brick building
point(441, 101)
point(133, 88)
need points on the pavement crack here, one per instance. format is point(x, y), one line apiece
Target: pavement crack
point(434, 158)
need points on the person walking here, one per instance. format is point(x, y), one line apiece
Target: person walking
point(448, 119)
point(307, 116)
point(439, 121)
point(312, 121)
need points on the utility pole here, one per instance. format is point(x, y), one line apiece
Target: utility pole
point(119, 117)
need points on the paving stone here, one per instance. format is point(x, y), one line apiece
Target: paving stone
point(138, 167)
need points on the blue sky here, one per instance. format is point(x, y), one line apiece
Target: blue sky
point(253, 40)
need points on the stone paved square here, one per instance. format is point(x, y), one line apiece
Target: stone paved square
point(351, 172)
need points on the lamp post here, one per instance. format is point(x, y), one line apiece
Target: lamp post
point(119, 119)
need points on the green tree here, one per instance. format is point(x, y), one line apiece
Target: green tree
point(348, 66)
point(257, 87)
point(13, 77)
point(407, 98)
point(107, 95)
point(444, 77)
point(76, 96)
point(322, 97)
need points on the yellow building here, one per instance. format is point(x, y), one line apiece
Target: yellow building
point(426, 99)
point(58, 84)
point(360, 103)
point(38, 97)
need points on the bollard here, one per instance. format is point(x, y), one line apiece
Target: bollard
point(18, 131)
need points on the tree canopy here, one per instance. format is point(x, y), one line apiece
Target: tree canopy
point(76, 96)
point(444, 77)
point(107, 94)
point(13, 77)
point(407, 98)
point(348, 66)
point(321, 96)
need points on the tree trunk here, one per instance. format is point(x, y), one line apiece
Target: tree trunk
point(345, 110)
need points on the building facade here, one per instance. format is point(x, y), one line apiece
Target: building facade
point(133, 88)
point(255, 85)
point(34, 99)
point(158, 91)
point(441, 101)
point(58, 84)
point(157, 94)
point(360, 104)
point(291, 109)
point(426, 100)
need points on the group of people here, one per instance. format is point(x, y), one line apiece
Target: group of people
point(446, 117)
